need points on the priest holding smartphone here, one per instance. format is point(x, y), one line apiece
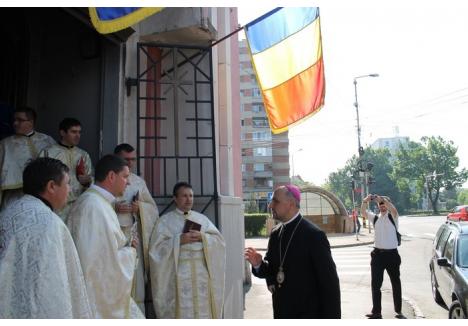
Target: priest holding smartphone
point(187, 257)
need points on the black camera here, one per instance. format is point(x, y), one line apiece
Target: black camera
point(373, 197)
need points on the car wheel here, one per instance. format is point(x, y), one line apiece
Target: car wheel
point(435, 292)
point(456, 311)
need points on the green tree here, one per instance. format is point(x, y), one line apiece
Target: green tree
point(339, 182)
point(449, 197)
point(430, 164)
point(384, 183)
point(462, 196)
point(298, 181)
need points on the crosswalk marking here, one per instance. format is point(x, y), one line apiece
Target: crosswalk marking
point(353, 261)
point(353, 266)
point(354, 273)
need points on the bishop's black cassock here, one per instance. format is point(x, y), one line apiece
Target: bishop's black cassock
point(311, 288)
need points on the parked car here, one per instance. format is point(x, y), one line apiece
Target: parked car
point(459, 213)
point(449, 268)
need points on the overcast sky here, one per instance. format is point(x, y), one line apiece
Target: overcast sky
point(420, 51)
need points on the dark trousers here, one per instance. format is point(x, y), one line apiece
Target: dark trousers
point(380, 261)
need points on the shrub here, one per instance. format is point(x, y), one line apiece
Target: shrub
point(254, 224)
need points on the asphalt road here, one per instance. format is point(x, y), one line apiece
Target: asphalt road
point(415, 251)
point(354, 272)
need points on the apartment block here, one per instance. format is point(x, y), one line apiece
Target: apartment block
point(265, 157)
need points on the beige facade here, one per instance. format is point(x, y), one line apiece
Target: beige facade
point(201, 26)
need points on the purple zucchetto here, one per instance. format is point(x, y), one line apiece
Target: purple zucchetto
point(294, 190)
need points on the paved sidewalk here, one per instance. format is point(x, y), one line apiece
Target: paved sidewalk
point(356, 300)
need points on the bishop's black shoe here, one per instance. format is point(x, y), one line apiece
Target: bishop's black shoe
point(399, 315)
point(374, 316)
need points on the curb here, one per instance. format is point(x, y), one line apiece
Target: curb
point(353, 244)
point(417, 312)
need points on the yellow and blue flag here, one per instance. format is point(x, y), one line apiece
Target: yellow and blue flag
point(286, 49)
point(112, 19)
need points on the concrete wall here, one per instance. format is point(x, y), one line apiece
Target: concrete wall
point(232, 226)
point(330, 223)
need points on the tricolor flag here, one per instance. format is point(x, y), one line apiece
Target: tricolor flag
point(112, 19)
point(286, 49)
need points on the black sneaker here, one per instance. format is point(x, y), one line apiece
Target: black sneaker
point(374, 316)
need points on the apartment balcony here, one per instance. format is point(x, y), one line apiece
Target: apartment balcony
point(263, 174)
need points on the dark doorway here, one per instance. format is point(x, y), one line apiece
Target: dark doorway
point(59, 65)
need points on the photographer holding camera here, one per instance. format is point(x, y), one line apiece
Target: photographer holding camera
point(385, 254)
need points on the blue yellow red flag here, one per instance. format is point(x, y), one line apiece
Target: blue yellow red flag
point(112, 19)
point(286, 50)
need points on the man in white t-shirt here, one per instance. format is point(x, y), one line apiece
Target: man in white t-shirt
point(385, 254)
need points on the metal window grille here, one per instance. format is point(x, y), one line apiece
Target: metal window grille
point(175, 123)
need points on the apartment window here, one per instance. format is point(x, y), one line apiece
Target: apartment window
point(263, 182)
point(259, 167)
point(259, 122)
point(256, 107)
point(262, 151)
point(261, 135)
point(256, 92)
point(243, 167)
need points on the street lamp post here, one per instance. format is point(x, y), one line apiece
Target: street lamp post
point(356, 104)
point(354, 213)
point(360, 149)
point(292, 161)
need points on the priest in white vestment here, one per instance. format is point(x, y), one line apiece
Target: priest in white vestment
point(137, 212)
point(40, 272)
point(108, 258)
point(16, 151)
point(187, 269)
point(77, 160)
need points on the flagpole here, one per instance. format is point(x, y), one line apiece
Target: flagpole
point(227, 36)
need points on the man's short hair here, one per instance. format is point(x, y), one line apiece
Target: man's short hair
point(124, 147)
point(39, 172)
point(67, 123)
point(109, 163)
point(30, 113)
point(179, 185)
